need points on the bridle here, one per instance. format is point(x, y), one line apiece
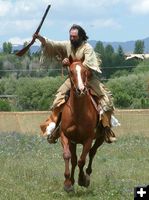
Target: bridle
point(86, 90)
point(77, 91)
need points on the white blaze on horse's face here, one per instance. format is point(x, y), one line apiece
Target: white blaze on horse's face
point(79, 78)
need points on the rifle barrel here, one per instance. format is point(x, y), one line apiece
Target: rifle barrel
point(43, 18)
point(25, 49)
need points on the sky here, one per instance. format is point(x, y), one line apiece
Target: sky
point(104, 20)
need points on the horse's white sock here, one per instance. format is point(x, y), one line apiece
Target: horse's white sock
point(50, 128)
point(114, 121)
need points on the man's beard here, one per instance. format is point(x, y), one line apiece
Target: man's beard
point(76, 43)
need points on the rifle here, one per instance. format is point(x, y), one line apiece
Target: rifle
point(25, 49)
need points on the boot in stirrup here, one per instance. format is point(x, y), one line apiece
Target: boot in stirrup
point(106, 122)
point(53, 131)
point(53, 134)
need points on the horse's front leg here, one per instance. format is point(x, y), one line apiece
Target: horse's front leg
point(92, 153)
point(66, 155)
point(83, 179)
point(98, 142)
point(73, 160)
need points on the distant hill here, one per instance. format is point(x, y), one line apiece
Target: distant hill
point(33, 49)
point(127, 46)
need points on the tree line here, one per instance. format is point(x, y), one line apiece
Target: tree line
point(115, 61)
point(131, 91)
point(29, 64)
point(34, 86)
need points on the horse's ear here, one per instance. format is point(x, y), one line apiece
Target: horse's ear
point(70, 59)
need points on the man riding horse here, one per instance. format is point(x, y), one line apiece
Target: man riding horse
point(79, 49)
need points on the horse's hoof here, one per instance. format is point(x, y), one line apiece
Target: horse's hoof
point(69, 188)
point(85, 182)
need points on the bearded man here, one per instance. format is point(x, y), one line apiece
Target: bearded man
point(79, 49)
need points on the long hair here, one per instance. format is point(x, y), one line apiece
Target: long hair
point(81, 32)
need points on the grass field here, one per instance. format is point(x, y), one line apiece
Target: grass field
point(31, 169)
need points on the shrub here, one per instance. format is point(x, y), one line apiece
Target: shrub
point(4, 105)
point(37, 94)
point(143, 67)
point(130, 91)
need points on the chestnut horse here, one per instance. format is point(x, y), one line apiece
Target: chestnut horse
point(79, 125)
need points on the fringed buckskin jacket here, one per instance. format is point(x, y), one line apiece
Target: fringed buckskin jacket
point(59, 50)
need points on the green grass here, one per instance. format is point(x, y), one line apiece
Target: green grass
point(32, 169)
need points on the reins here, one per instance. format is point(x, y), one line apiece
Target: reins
point(71, 80)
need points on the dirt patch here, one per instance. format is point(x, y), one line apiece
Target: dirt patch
point(132, 122)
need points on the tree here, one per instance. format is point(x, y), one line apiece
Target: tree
point(109, 59)
point(1, 67)
point(120, 52)
point(99, 48)
point(120, 56)
point(7, 47)
point(139, 47)
point(109, 50)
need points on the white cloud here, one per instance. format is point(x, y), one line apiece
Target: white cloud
point(21, 17)
point(20, 9)
point(18, 26)
point(4, 8)
point(107, 23)
point(25, 24)
point(61, 9)
point(140, 7)
point(17, 40)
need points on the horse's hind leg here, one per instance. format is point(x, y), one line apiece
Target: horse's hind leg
point(98, 142)
point(83, 181)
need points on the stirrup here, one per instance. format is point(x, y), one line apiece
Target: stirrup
point(109, 135)
point(53, 137)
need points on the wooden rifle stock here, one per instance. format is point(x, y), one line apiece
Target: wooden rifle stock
point(25, 49)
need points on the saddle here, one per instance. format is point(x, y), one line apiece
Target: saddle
point(55, 134)
point(107, 132)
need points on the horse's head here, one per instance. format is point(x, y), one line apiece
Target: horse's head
point(79, 76)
